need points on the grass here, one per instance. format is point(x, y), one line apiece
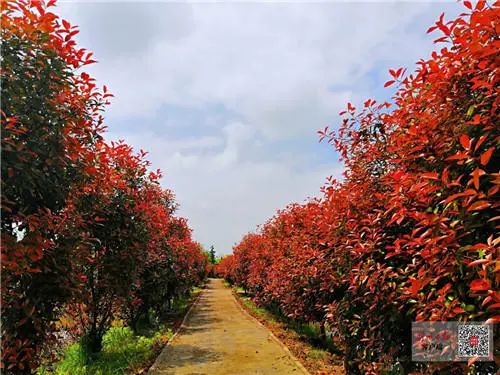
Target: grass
point(259, 311)
point(124, 352)
point(182, 303)
point(239, 290)
point(311, 332)
point(317, 353)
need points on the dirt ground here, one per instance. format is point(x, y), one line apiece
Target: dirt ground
point(219, 338)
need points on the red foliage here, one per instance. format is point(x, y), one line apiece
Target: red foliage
point(411, 232)
point(225, 268)
point(50, 119)
point(86, 229)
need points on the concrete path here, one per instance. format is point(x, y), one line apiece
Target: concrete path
point(218, 337)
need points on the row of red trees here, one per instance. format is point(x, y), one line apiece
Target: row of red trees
point(411, 232)
point(86, 229)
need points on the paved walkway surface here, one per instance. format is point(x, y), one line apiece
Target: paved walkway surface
point(219, 338)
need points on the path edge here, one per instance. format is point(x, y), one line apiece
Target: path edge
point(182, 325)
point(273, 336)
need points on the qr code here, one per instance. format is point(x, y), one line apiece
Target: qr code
point(473, 340)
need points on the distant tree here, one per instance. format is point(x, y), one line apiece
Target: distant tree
point(212, 255)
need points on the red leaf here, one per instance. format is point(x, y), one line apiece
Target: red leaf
point(480, 285)
point(465, 141)
point(431, 175)
point(475, 177)
point(480, 4)
point(458, 156)
point(471, 361)
point(480, 142)
point(468, 192)
point(388, 83)
point(431, 29)
point(479, 205)
point(478, 262)
point(415, 287)
point(486, 156)
point(495, 319)
point(478, 246)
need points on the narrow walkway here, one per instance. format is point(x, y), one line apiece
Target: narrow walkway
point(219, 338)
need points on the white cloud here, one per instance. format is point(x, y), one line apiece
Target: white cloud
point(280, 71)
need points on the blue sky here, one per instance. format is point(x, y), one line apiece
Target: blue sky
point(227, 96)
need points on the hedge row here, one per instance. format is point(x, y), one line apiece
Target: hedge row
point(411, 231)
point(88, 235)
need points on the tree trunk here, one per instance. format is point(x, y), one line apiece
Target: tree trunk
point(92, 342)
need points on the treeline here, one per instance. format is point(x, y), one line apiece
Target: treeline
point(88, 234)
point(411, 231)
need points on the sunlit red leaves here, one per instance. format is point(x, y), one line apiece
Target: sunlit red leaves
point(480, 285)
point(62, 185)
point(486, 156)
point(479, 205)
point(38, 154)
point(389, 83)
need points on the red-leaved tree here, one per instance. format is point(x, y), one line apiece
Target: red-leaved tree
point(50, 119)
point(86, 229)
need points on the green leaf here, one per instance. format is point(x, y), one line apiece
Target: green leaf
point(470, 111)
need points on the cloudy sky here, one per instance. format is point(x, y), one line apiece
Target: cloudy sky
point(227, 97)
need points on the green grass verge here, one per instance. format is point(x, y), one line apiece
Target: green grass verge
point(259, 311)
point(123, 352)
point(317, 353)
